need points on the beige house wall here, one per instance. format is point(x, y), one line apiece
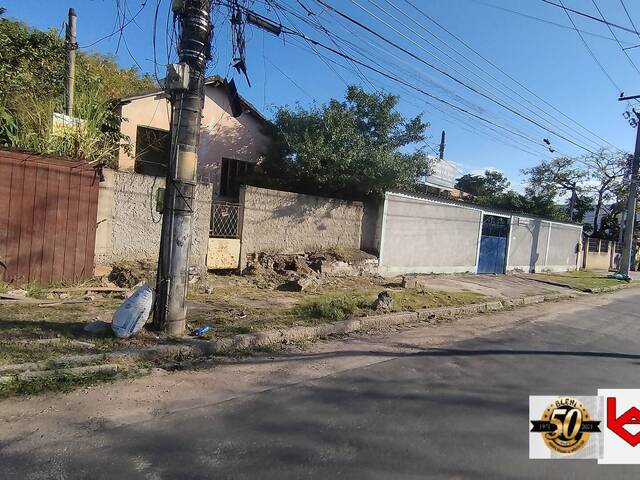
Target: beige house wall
point(222, 135)
point(128, 225)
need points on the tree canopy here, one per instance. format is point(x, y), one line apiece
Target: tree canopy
point(357, 147)
point(32, 66)
point(492, 183)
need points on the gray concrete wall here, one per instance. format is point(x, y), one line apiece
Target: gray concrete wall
point(435, 236)
point(529, 241)
point(426, 237)
point(128, 225)
point(563, 247)
point(528, 244)
point(285, 222)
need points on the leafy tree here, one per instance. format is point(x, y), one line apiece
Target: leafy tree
point(492, 183)
point(32, 88)
point(354, 148)
point(582, 205)
point(557, 176)
point(607, 169)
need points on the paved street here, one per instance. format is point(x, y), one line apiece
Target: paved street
point(452, 410)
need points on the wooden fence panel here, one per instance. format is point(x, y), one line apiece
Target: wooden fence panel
point(48, 210)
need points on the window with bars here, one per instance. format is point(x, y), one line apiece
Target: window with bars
point(152, 151)
point(232, 174)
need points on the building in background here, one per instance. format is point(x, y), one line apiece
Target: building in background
point(231, 143)
point(443, 179)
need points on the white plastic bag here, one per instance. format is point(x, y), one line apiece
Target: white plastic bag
point(133, 313)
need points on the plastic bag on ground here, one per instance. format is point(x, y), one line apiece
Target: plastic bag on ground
point(133, 313)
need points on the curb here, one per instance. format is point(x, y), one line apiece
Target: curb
point(613, 288)
point(254, 341)
point(69, 363)
point(33, 375)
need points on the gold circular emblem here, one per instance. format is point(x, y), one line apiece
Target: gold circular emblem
point(566, 416)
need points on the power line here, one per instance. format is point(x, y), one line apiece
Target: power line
point(586, 45)
point(629, 17)
point(422, 60)
point(541, 20)
point(491, 76)
point(498, 135)
point(506, 74)
point(358, 47)
point(586, 15)
point(122, 26)
point(399, 80)
point(617, 40)
point(372, 58)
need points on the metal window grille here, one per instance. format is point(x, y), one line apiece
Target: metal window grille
point(593, 245)
point(619, 246)
point(604, 246)
point(225, 220)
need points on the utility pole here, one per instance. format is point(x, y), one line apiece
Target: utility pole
point(572, 202)
point(625, 260)
point(186, 88)
point(70, 62)
point(442, 145)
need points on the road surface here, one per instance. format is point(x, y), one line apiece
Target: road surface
point(449, 401)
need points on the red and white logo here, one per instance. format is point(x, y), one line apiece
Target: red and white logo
point(621, 441)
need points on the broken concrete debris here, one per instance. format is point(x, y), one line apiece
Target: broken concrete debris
point(305, 271)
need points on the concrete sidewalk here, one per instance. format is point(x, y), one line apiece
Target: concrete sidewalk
point(501, 287)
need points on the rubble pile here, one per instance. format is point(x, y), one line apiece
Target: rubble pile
point(306, 271)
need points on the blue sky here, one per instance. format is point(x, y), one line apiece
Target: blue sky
point(549, 60)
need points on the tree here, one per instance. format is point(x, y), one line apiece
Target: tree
point(582, 205)
point(557, 176)
point(352, 148)
point(32, 88)
point(607, 169)
point(492, 183)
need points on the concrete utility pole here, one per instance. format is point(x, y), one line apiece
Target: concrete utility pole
point(442, 145)
point(70, 62)
point(187, 102)
point(625, 260)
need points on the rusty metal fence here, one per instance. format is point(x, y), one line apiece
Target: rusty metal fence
point(225, 220)
point(48, 209)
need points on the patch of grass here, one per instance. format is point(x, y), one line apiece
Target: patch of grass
point(415, 299)
point(581, 280)
point(60, 382)
point(330, 308)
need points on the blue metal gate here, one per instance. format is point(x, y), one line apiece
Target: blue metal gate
point(493, 244)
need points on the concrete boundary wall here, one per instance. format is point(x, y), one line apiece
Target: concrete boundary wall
point(427, 235)
point(284, 222)
point(128, 226)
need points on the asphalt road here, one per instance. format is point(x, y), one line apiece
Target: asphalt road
point(454, 412)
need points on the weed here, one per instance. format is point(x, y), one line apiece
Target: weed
point(335, 309)
point(60, 382)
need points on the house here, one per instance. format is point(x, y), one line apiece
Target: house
point(230, 146)
point(128, 225)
